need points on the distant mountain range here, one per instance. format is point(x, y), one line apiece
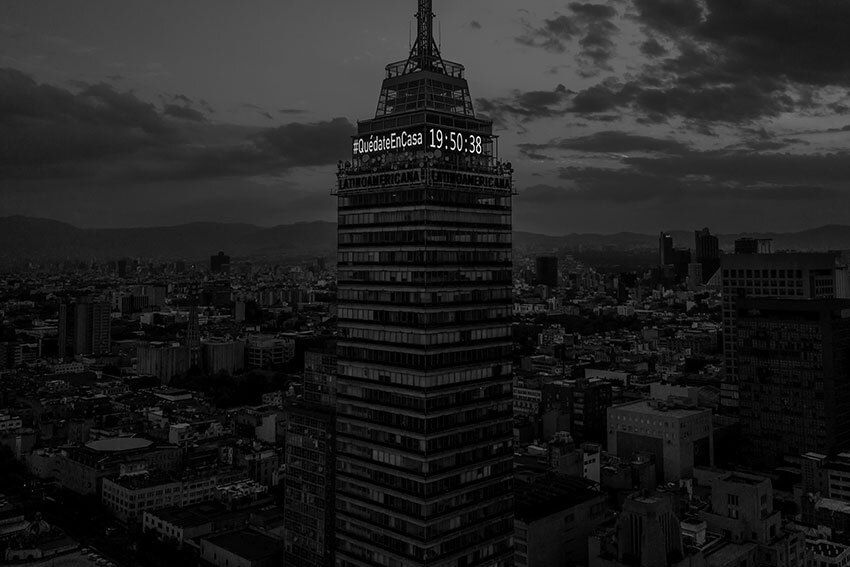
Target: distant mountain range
point(24, 239)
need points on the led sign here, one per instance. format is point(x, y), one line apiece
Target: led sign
point(431, 139)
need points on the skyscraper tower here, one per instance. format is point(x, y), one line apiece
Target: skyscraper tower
point(424, 417)
point(193, 337)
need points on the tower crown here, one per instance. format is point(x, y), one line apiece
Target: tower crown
point(425, 81)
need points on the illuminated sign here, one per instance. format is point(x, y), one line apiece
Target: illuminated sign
point(431, 139)
point(429, 176)
point(389, 142)
point(439, 139)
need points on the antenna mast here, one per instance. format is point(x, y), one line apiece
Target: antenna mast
point(425, 34)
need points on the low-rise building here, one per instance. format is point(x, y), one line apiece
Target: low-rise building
point(242, 548)
point(679, 436)
point(554, 516)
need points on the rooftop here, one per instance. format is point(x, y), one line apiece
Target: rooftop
point(654, 408)
point(552, 494)
point(248, 544)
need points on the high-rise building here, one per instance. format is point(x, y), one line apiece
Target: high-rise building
point(793, 370)
point(547, 271)
point(706, 252)
point(193, 338)
point(320, 378)
point(784, 276)
point(665, 249)
point(220, 263)
point(309, 473)
point(84, 327)
point(753, 246)
point(424, 419)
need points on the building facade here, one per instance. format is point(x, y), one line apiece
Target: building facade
point(679, 436)
point(782, 276)
point(424, 416)
point(793, 369)
point(84, 327)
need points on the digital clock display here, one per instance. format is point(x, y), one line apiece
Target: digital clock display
point(447, 140)
point(432, 139)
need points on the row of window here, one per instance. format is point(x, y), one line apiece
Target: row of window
point(429, 380)
point(418, 488)
point(424, 277)
point(394, 197)
point(429, 403)
point(423, 215)
point(396, 236)
point(460, 296)
point(431, 425)
point(431, 257)
point(426, 318)
point(425, 361)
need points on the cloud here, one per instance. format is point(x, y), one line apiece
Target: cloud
point(744, 168)
point(669, 16)
point(652, 48)
point(527, 106)
point(589, 23)
point(611, 142)
point(183, 112)
point(103, 135)
point(474, 24)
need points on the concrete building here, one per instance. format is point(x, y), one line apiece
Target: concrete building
point(84, 327)
point(269, 351)
point(241, 548)
point(742, 511)
point(546, 272)
point(679, 436)
point(82, 469)
point(554, 516)
point(320, 370)
point(585, 403)
point(424, 419)
point(826, 476)
point(220, 356)
point(792, 369)
point(165, 361)
point(309, 487)
point(647, 534)
point(783, 276)
point(128, 496)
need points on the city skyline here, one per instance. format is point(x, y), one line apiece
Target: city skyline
point(616, 115)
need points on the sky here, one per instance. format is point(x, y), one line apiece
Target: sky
point(618, 115)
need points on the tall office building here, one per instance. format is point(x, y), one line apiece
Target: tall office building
point(84, 326)
point(193, 337)
point(706, 253)
point(794, 377)
point(783, 276)
point(546, 271)
point(308, 532)
point(424, 405)
point(220, 263)
point(665, 249)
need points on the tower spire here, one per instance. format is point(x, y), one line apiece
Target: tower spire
point(425, 33)
point(425, 55)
